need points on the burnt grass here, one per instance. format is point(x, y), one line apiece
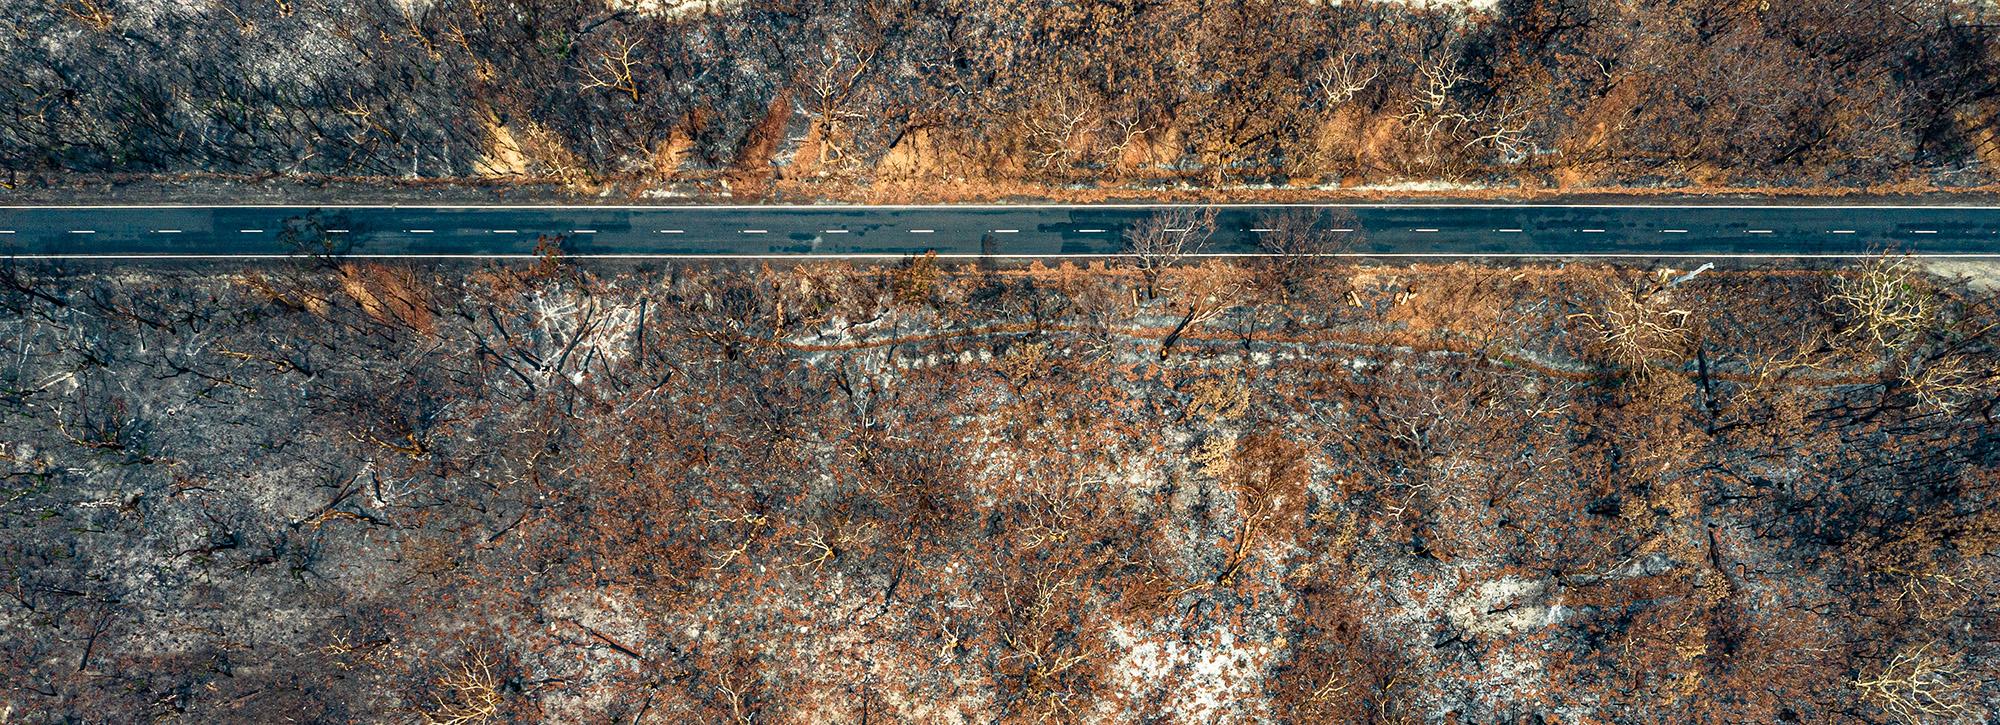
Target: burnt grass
point(1308, 493)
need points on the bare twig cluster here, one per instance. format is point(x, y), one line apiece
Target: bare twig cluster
point(1919, 685)
point(1639, 329)
point(1162, 241)
point(1888, 301)
point(468, 695)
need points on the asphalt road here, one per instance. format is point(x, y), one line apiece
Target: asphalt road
point(1023, 231)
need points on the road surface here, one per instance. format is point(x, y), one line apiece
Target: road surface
point(193, 232)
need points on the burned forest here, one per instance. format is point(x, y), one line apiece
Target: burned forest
point(330, 490)
point(924, 100)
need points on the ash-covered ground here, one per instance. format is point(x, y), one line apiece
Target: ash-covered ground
point(1292, 492)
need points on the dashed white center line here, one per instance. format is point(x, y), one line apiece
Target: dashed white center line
point(83, 231)
point(1175, 231)
point(670, 231)
point(583, 231)
point(1262, 229)
point(6, 231)
point(336, 231)
point(1673, 231)
point(1757, 231)
point(506, 231)
point(1340, 230)
point(1006, 231)
point(1424, 231)
point(921, 231)
point(1923, 231)
point(420, 231)
point(251, 231)
point(1090, 231)
point(755, 231)
point(1841, 231)
point(166, 231)
point(1508, 231)
point(1591, 231)
point(834, 231)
